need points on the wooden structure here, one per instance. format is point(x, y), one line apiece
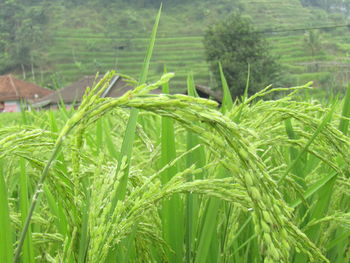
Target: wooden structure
point(72, 95)
point(14, 91)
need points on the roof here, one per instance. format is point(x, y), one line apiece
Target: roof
point(206, 92)
point(12, 88)
point(71, 93)
point(74, 92)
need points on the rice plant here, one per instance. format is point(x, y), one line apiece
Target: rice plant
point(175, 178)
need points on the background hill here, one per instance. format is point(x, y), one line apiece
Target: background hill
point(311, 43)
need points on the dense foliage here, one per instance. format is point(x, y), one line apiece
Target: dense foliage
point(97, 35)
point(22, 34)
point(336, 5)
point(118, 180)
point(265, 182)
point(241, 50)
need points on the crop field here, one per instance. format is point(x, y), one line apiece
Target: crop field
point(259, 181)
point(82, 47)
point(175, 178)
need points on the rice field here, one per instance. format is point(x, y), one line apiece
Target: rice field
point(175, 178)
point(84, 41)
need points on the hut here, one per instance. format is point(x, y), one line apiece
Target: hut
point(208, 93)
point(14, 91)
point(72, 95)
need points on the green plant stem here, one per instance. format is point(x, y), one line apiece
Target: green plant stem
point(37, 192)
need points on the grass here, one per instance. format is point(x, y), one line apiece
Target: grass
point(174, 178)
point(6, 235)
point(192, 167)
point(180, 34)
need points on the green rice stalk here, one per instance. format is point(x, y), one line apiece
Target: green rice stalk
point(28, 249)
point(341, 248)
point(227, 102)
point(245, 95)
point(88, 101)
point(207, 231)
point(251, 157)
point(126, 149)
point(192, 200)
point(344, 123)
point(172, 211)
point(6, 234)
point(319, 129)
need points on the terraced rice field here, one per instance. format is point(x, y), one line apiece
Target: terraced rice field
point(175, 178)
point(87, 47)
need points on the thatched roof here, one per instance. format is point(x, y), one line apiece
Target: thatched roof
point(12, 88)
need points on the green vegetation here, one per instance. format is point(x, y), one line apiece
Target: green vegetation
point(235, 45)
point(90, 36)
point(173, 178)
point(342, 5)
point(259, 183)
point(22, 36)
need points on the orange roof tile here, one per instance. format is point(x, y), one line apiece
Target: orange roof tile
point(12, 88)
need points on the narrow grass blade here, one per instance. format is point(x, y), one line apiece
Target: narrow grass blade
point(54, 128)
point(227, 102)
point(191, 91)
point(56, 210)
point(191, 87)
point(24, 116)
point(208, 225)
point(319, 129)
point(63, 110)
point(345, 235)
point(214, 254)
point(298, 167)
point(126, 149)
point(53, 121)
point(108, 139)
point(339, 248)
point(196, 157)
point(99, 134)
point(172, 209)
point(314, 189)
point(37, 192)
point(344, 124)
point(6, 245)
point(208, 230)
point(28, 249)
point(128, 141)
point(147, 61)
point(324, 193)
point(245, 95)
point(84, 236)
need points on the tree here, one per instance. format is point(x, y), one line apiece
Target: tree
point(236, 44)
point(21, 34)
point(313, 45)
point(324, 4)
